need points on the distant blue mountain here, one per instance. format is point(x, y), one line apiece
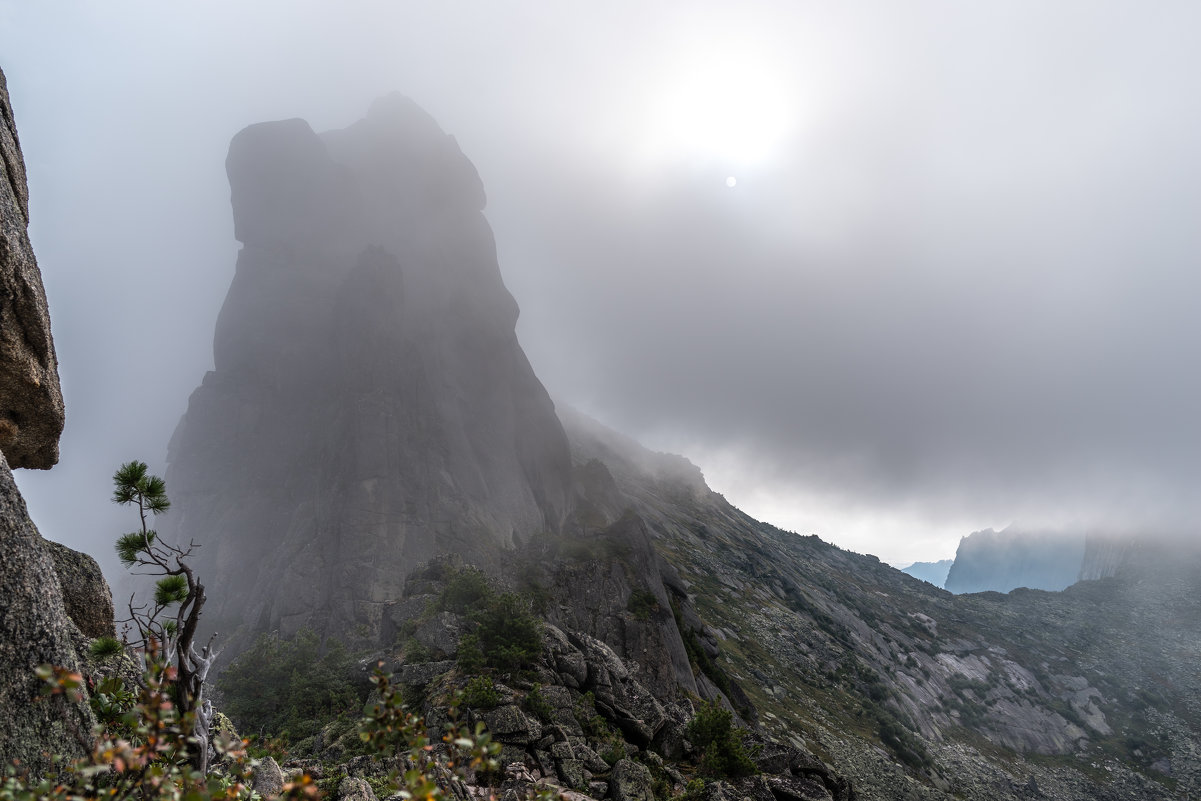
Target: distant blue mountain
point(1016, 557)
point(933, 572)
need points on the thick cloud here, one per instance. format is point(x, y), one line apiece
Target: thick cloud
point(955, 283)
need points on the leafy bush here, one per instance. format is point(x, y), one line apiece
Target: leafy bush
point(610, 744)
point(642, 603)
point(505, 634)
point(146, 757)
point(904, 745)
point(465, 590)
point(713, 731)
point(470, 656)
point(288, 688)
point(537, 705)
point(693, 790)
point(416, 652)
point(509, 636)
point(590, 721)
point(480, 693)
point(143, 746)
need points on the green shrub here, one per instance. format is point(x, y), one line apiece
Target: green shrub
point(713, 731)
point(507, 635)
point(614, 752)
point(147, 759)
point(415, 652)
point(466, 590)
point(642, 603)
point(693, 790)
point(904, 745)
point(470, 656)
point(592, 723)
point(288, 689)
point(480, 693)
point(104, 647)
point(537, 705)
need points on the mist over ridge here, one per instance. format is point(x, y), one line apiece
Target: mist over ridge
point(952, 289)
point(370, 406)
point(885, 274)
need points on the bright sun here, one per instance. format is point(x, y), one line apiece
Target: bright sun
point(726, 106)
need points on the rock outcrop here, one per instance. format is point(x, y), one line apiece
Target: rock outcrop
point(34, 630)
point(910, 691)
point(31, 401)
point(34, 627)
point(87, 598)
point(578, 721)
point(371, 406)
point(1105, 556)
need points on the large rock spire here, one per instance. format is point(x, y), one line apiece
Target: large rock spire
point(371, 406)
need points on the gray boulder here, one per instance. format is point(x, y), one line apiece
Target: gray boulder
point(422, 673)
point(631, 781)
point(86, 595)
point(510, 725)
point(354, 789)
point(441, 634)
point(573, 774)
point(805, 788)
point(268, 778)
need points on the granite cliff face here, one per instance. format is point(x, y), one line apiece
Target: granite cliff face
point(34, 627)
point(31, 401)
point(371, 406)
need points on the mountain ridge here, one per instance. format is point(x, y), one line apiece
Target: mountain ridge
point(372, 410)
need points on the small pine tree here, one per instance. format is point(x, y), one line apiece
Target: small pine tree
point(723, 754)
point(168, 624)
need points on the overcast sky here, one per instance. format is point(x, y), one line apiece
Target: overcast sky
point(887, 272)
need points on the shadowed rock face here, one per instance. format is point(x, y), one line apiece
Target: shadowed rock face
point(31, 401)
point(34, 628)
point(87, 599)
point(371, 406)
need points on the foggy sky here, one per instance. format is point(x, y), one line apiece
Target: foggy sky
point(955, 285)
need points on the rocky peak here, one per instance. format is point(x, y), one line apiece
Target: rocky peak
point(1016, 557)
point(371, 406)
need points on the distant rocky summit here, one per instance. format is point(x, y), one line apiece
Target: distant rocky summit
point(372, 430)
point(1001, 561)
point(371, 406)
point(933, 572)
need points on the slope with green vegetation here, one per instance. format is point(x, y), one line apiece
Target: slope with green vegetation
point(914, 692)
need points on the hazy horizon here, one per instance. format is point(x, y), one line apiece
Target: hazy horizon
point(887, 275)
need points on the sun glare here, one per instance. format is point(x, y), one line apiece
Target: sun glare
point(720, 105)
